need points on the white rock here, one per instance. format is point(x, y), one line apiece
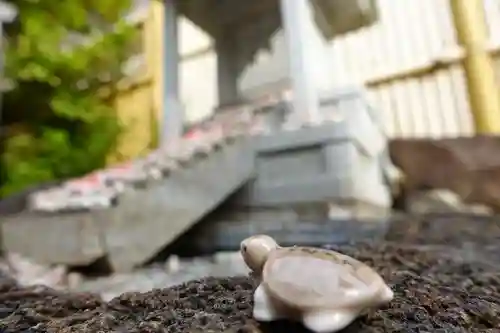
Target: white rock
point(173, 264)
point(442, 201)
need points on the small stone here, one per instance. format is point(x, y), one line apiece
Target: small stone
point(173, 264)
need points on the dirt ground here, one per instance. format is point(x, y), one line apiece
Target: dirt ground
point(439, 267)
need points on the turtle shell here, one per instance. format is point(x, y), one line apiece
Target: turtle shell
point(306, 277)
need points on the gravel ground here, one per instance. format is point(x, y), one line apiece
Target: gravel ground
point(440, 286)
point(446, 229)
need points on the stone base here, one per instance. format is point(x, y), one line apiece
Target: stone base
point(312, 225)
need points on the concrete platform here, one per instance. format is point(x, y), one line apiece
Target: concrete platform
point(144, 221)
point(147, 221)
point(68, 239)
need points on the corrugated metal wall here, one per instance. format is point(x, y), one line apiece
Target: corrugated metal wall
point(410, 61)
point(398, 59)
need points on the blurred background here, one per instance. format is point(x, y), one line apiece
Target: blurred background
point(135, 133)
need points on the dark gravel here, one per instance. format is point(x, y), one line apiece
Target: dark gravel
point(438, 289)
point(446, 229)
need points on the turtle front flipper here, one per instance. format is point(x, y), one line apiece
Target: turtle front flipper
point(264, 307)
point(327, 321)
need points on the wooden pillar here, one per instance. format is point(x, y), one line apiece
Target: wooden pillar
point(470, 25)
point(154, 52)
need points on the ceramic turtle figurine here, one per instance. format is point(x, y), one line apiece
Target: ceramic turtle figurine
point(324, 289)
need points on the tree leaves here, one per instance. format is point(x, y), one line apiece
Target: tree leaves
point(59, 54)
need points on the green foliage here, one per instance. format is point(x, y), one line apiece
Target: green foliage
point(59, 54)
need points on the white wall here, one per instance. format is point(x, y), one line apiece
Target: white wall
point(198, 77)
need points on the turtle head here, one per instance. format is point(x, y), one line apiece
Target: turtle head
point(255, 251)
